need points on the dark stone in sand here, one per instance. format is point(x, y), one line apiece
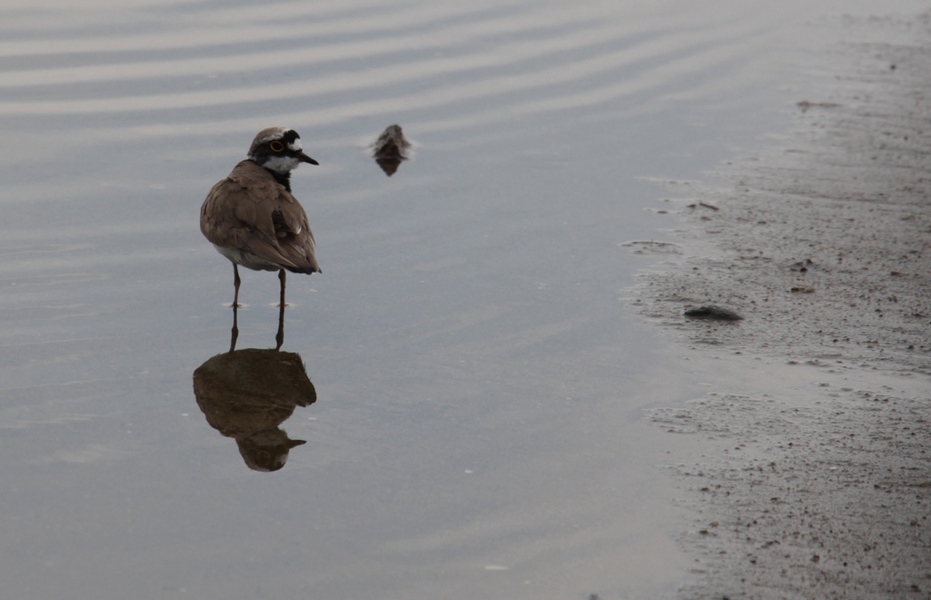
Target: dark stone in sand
point(712, 313)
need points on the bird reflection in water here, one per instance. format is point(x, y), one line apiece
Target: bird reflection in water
point(390, 149)
point(247, 394)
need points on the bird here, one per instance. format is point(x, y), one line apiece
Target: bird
point(252, 218)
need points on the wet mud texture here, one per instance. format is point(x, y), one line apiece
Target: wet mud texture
point(823, 246)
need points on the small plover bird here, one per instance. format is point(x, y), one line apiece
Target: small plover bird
point(252, 218)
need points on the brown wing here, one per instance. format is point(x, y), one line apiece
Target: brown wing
point(251, 212)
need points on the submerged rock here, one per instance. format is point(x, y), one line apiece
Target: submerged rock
point(390, 149)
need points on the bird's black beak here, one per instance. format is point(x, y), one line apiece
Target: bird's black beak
point(304, 158)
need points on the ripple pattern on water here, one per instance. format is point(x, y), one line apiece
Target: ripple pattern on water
point(444, 66)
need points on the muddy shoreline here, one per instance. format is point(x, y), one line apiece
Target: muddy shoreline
point(814, 479)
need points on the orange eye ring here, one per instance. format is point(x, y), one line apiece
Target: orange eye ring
point(276, 146)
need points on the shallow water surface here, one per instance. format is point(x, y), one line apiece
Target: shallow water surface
point(474, 423)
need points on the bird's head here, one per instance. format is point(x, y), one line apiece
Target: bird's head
point(279, 150)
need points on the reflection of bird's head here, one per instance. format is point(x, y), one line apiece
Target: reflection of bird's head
point(246, 394)
point(266, 450)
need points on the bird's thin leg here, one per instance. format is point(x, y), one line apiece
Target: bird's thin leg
point(234, 334)
point(236, 282)
point(282, 276)
point(279, 337)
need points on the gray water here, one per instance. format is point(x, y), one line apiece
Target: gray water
point(480, 383)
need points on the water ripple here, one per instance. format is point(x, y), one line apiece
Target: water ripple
point(449, 66)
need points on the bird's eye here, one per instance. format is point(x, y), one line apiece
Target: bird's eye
point(276, 146)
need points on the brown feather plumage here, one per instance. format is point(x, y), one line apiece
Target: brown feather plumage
point(256, 222)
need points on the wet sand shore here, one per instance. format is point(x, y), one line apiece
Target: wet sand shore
point(814, 475)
